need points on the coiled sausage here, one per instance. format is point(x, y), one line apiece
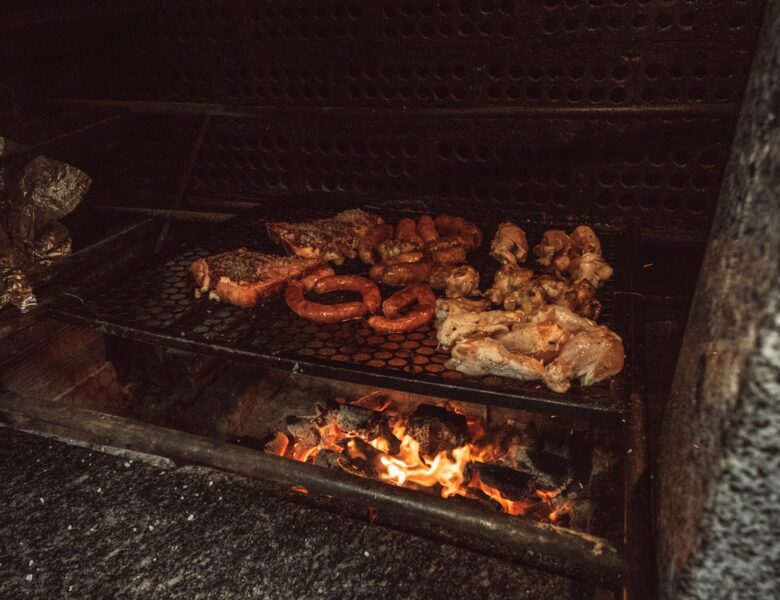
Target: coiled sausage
point(322, 313)
point(394, 322)
point(351, 283)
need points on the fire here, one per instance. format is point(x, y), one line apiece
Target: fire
point(410, 467)
point(511, 507)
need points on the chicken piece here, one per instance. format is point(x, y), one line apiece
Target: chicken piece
point(590, 356)
point(456, 327)
point(584, 240)
point(510, 245)
point(462, 281)
point(590, 267)
point(581, 299)
point(552, 253)
point(456, 306)
point(563, 317)
point(542, 341)
point(486, 356)
point(506, 280)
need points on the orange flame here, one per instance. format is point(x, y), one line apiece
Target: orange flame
point(409, 467)
point(511, 507)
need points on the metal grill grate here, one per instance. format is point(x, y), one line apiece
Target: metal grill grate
point(157, 305)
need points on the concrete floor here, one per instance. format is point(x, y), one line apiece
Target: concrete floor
point(81, 524)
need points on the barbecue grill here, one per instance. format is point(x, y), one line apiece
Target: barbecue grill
point(201, 121)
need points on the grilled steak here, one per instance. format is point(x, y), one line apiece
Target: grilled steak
point(242, 277)
point(332, 240)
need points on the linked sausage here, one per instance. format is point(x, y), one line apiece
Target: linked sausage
point(469, 234)
point(322, 313)
point(406, 231)
point(401, 274)
point(307, 283)
point(351, 283)
point(446, 250)
point(426, 229)
point(394, 322)
point(373, 237)
point(420, 293)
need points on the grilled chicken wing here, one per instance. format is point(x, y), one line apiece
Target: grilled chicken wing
point(590, 267)
point(506, 280)
point(510, 245)
point(584, 239)
point(552, 253)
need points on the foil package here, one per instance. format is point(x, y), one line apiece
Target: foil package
point(32, 200)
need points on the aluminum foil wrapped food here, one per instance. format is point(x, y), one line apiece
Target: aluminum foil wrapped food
point(32, 200)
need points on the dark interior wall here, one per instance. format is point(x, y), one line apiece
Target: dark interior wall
point(719, 521)
point(444, 98)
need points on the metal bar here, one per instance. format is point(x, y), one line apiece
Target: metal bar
point(204, 202)
point(577, 555)
point(185, 180)
point(498, 112)
point(169, 214)
point(96, 251)
point(42, 146)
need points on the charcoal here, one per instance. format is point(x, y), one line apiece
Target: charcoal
point(551, 471)
point(327, 458)
point(513, 485)
point(278, 444)
point(303, 432)
point(358, 457)
point(437, 429)
point(366, 424)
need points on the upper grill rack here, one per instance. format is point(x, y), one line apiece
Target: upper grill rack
point(156, 304)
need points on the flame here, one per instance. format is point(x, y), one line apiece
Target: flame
point(409, 467)
point(511, 507)
point(304, 453)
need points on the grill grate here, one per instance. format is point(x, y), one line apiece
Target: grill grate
point(157, 305)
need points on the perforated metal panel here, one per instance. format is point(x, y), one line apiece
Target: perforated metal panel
point(657, 170)
point(489, 55)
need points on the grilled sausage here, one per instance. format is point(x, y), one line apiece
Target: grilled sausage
point(351, 283)
point(426, 229)
point(394, 322)
point(307, 283)
point(406, 231)
point(322, 313)
point(419, 292)
point(401, 274)
point(468, 233)
point(446, 250)
point(373, 237)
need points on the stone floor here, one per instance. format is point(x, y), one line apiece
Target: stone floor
point(82, 524)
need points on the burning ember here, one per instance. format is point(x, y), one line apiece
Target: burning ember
point(433, 448)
